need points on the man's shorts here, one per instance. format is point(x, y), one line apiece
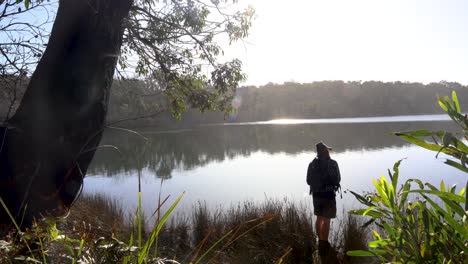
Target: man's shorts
point(324, 204)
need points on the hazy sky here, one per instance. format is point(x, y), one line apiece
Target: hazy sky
point(388, 40)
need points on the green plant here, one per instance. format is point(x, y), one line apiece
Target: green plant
point(45, 243)
point(445, 142)
point(434, 227)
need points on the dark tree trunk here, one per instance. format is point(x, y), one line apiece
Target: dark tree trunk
point(52, 137)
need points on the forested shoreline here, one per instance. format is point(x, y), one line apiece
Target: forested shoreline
point(326, 99)
point(135, 103)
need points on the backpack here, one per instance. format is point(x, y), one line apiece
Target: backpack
point(322, 179)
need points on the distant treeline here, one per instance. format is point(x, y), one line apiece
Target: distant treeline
point(131, 99)
point(326, 99)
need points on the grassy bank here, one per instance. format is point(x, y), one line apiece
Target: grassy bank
point(97, 230)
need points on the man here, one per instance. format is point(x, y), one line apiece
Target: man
point(323, 177)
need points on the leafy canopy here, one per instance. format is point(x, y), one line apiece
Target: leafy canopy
point(174, 46)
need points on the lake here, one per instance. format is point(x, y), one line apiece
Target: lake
point(223, 165)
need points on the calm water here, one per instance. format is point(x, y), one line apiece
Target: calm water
point(228, 164)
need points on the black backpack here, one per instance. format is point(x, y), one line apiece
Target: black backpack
point(322, 178)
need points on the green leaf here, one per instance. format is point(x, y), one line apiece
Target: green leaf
point(466, 195)
point(442, 186)
point(418, 182)
point(404, 194)
point(417, 133)
point(455, 101)
point(80, 248)
point(396, 172)
point(376, 235)
point(426, 145)
point(368, 223)
point(447, 217)
point(447, 195)
point(442, 103)
point(378, 243)
point(154, 234)
point(366, 253)
point(390, 230)
point(453, 189)
point(456, 165)
point(460, 145)
point(357, 212)
point(26, 3)
point(372, 213)
point(362, 199)
point(448, 103)
point(214, 245)
point(381, 187)
point(452, 206)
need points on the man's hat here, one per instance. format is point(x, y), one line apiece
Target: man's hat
point(322, 146)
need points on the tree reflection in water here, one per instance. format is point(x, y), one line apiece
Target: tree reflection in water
point(166, 151)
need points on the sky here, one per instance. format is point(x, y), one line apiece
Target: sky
point(354, 40)
point(387, 40)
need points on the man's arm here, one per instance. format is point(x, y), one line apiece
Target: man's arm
point(309, 174)
point(336, 173)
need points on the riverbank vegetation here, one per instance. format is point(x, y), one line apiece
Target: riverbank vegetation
point(326, 99)
point(431, 229)
point(98, 230)
point(49, 141)
point(420, 222)
point(136, 103)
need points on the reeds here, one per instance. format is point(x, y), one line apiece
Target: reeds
point(97, 215)
point(275, 231)
point(268, 232)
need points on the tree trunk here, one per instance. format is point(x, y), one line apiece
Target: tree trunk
point(52, 137)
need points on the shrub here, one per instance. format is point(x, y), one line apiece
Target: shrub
point(433, 228)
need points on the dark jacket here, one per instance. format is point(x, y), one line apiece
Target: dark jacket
point(323, 175)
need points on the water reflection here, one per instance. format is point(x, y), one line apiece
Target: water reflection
point(166, 151)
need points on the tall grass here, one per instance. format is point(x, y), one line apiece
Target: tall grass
point(275, 231)
point(98, 216)
point(351, 235)
point(252, 233)
point(268, 231)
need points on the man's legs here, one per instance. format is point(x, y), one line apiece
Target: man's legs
point(324, 209)
point(322, 227)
